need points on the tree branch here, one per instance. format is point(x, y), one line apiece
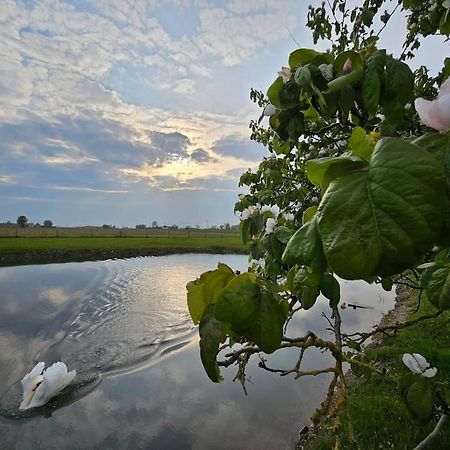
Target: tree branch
point(437, 429)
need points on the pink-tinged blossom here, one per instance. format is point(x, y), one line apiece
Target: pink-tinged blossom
point(416, 363)
point(436, 113)
point(348, 66)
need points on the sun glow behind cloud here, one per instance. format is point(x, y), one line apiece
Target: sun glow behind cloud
point(139, 99)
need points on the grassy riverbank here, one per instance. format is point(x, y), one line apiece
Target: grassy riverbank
point(23, 245)
point(39, 250)
point(379, 417)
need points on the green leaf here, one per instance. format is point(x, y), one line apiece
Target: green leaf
point(307, 277)
point(272, 267)
point(288, 123)
point(290, 278)
point(274, 91)
point(371, 83)
point(344, 80)
point(304, 247)
point(283, 234)
point(303, 56)
point(346, 101)
point(308, 214)
point(355, 58)
point(239, 300)
point(212, 334)
point(444, 24)
point(438, 286)
point(309, 296)
point(399, 89)
point(381, 220)
point(206, 290)
point(331, 289)
point(439, 146)
point(302, 77)
point(266, 326)
point(289, 95)
point(405, 381)
point(361, 143)
point(317, 168)
point(387, 283)
point(420, 400)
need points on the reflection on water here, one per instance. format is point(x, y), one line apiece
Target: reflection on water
point(116, 322)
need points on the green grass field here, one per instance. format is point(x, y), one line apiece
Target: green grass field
point(28, 244)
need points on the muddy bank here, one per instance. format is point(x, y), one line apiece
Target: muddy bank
point(61, 256)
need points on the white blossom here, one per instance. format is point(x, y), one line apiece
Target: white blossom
point(311, 148)
point(251, 211)
point(288, 217)
point(270, 225)
point(416, 363)
point(322, 152)
point(436, 113)
point(314, 199)
point(446, 4)
point(285, 73)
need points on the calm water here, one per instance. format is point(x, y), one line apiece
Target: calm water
point(124, 326)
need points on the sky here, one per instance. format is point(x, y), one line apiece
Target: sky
point(127, 111)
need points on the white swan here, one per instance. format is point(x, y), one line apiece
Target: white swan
point(40, 385)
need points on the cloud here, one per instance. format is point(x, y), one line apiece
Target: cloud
point(246, 150)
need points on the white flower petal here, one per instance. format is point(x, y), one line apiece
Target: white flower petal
point(421, 360)
point(430, 373)
point(429, 113)
point(443, 110)
point(411, 363)
point(445, 86)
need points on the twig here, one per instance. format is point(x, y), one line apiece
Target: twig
point(364, 336)
point(437, 429)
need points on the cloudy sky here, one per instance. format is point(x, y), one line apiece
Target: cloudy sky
point(130, 111)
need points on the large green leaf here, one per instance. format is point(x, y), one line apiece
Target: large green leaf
point(399, 89)
point(305, 247)
point(283, 234)
point(419, 400)
point(380, 220)
point(317, 168)
point(206, 290)
point(439, 146)
point(371, 83)
point(266, 325)
point(438, 286)
point(274, 91)
point(239, 300)
point(212, 334)
point(361, 143)
point(303, 56)
point(253, 311)
point(341, 59)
